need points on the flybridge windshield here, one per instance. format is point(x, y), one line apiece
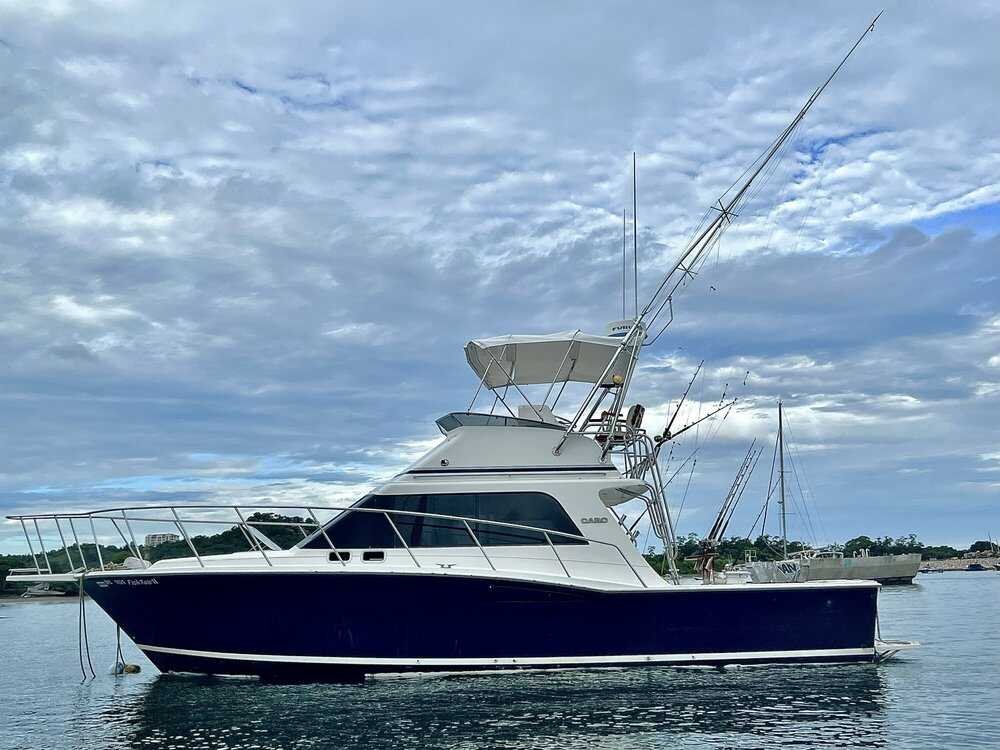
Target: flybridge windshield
point(449, 422)
point(364, 530)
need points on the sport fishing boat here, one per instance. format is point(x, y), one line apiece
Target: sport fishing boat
point(500, 548)
point(504, 547)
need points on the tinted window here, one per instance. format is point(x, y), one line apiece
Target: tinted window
point(449, 422)
point(373, 530)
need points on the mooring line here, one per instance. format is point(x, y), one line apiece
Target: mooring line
point(119, 656)
point(79, 635)
point(83, 627)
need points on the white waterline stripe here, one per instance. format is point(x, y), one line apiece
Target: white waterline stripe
point(519, 661)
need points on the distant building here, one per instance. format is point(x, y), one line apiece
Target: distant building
point(154, 539)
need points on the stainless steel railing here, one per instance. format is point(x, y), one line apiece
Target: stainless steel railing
point(120, 518)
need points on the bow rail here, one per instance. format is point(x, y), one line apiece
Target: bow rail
point(180, 517)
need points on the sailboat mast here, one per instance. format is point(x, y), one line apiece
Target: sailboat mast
point(781, 483)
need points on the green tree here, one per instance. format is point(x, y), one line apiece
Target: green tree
point(981, 546)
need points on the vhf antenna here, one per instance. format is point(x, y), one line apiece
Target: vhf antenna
point(624, 261)
point(635, 241)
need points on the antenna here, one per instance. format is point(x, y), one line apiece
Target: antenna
point(624, 261)
point(635, 242)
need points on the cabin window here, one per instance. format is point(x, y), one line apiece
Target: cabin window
point(362, 530)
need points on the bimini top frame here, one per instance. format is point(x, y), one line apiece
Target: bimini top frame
point(505, 362)
point(568, 356)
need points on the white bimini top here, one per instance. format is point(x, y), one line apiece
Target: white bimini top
point(554, 357)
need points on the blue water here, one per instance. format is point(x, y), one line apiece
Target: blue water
point(944, 695)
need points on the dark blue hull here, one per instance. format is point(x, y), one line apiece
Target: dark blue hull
point(344, 625)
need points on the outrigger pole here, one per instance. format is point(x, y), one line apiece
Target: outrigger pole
point(728, 211)
point(683, 269)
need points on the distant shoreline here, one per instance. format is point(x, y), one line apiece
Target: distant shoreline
point(18, 599)
point(960, 563)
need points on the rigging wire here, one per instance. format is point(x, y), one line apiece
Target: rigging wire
point(805, 504)
point(716, 243)
point(771, 485)
point(812, 205)
point(797, 458)
point(792, 453)
point(718, 225)
point(684, 497)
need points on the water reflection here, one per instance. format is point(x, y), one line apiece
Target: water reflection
point(944, 694)
point(842, 706)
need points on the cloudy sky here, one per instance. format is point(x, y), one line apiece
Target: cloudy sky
point(241, 249)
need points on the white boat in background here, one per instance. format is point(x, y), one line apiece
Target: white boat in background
point(827, 564)
point(41, 590)
point(832, 565)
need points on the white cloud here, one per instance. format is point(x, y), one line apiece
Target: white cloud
point(91, 213)
point(228, 230)
point(97, 314)
point(373, 334)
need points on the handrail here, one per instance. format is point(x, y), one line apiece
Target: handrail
point(190, 544)
point(176, 519)
point(478, 544)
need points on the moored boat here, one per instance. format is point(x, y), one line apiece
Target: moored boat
point(827, 564)
point(492, 551)
point(501, 548)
